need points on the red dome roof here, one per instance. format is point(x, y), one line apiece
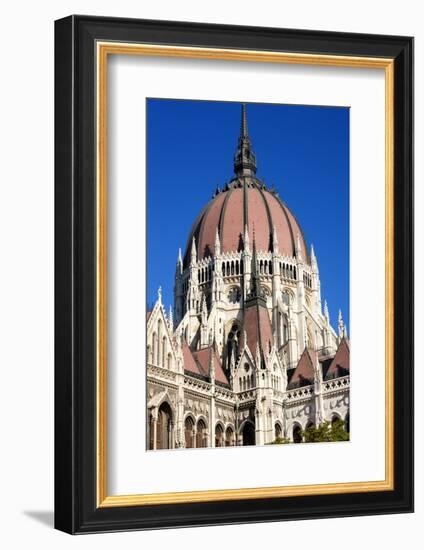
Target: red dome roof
point(229, 209)
point(245, 201)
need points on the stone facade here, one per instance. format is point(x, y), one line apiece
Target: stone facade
point(250, 355)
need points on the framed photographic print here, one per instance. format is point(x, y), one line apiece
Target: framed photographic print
point(234, 269)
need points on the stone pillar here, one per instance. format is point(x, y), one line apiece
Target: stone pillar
point(155, 412)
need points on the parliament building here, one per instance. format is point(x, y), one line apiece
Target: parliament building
point(248, 354)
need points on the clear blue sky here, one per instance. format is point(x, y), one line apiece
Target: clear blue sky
point(301, 150)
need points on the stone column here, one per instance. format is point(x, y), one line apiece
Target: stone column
point(155, 426)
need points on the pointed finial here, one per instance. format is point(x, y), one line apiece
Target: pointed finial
point(170, 318)
point(298, 248)
point(341, 324)
point(160, 295)
point(193, 251)
point(246, 239)
point(274, 240)
point(326, 314)
point(179, 268)
point(313, 258)
point(244, 133)
point(217, 243)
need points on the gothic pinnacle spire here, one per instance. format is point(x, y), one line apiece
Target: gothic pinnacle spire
point(274, 240)
point(326, 314)
point(244, 159)
point(255, 285)
point(244, 132)
point(217, 243)
point(193, 251)
point(246, 239)
point(298, 248)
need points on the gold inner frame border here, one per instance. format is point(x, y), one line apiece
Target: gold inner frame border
point(103, 50)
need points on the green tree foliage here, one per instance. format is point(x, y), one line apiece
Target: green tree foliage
point(280, 441)
point(326, 432)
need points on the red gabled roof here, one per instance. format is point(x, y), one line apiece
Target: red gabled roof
point(258, 328)
point(340, 365)
point(190, 364)
point(202, 358)
point(303, 374)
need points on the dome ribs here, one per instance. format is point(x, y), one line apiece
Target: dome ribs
point(257, 219)
point(221, 217)
point(294, 221)
point(195, 232)
point(289, 225)
point(206, 237)
point(268, 213)
point(232, 220)
point(245, 207)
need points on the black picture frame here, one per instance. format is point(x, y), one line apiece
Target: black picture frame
point(76, 510)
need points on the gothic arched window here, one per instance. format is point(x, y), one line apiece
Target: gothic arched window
point(219, 436)
point(278, 432)
point(229, 437)
point(297, 434)
point(164, 427)
point(201, 434)
point(189, 432)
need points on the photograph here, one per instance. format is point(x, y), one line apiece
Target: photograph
point(247, 324)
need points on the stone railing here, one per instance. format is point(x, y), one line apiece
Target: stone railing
point(298, 394)
point(336, 384)
point(160, 372)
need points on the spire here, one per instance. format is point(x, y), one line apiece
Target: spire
point(244, 133)
point(193, 251)
point(255, 288)
point(160, 295)
point(313, 257)
point(170, 319)
point(244, 159)
point(217, 243)
point(341, 325)
point(179, 268)
point(298, 248)
point(246, 239)
point(326, 314)
point(274, 240)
